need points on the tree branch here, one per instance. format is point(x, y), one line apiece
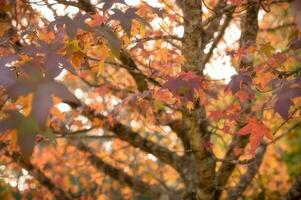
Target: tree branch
point(218, 38)
point(214, 24)
point(163, 154)
point(246, 179)
point(159, 37)
point(126, 134)
point(124, 57)
point(200, 175)
point(116, 173)
point(248, 37)
point(56, 191)
point(248, 176)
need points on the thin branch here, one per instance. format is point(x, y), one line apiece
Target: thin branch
point(116, 173)
point(56, 191)
point(219, 11)
point(217, 39)
point(165, 155)
point(248, 176)
point(248, 36)
point(213, 23)
point(240, 162)
point(160, 37)
point(126, 134)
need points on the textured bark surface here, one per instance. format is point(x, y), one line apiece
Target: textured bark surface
point(198, 135)
point(192, 44)
point(202, 187)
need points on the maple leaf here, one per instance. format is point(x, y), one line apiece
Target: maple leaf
point(27, 128)
point(237, 81)
point(244, 95)
point(216, 114)
point(263, 76)
point(184, 85)
point(257, 131)
point(54, 63)
point(284, 100)
point(71, 25)
point(42, 89)
point(126, 18)
point(107, 4)
point(267, 49)
point(113, 41)
point(97, 19)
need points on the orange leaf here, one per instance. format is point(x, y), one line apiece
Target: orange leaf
point(257, 131)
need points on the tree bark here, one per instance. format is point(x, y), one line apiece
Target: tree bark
point(202, 171)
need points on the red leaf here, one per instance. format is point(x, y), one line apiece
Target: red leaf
point(184, 85)
point(257, 131)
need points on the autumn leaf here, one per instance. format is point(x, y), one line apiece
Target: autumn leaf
point(71, 25)
point(237, 82)
point(42, 89)
point(27, 128)
point(257, 131)
point(125, 18)
point(285, 96)
point(284, 101)
point(184, 85)
point(97, 19)
point(139, 119)
point(112, 40)
point(54, 62)
point(107, 4)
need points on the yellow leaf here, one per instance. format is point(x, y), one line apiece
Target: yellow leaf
point(72, 46)
point(142, 30)
point(77, 59)
point(100, 67)
point(126, 40)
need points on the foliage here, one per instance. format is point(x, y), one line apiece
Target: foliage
point(109, 100)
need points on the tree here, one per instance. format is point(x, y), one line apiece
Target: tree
point(105, 103)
